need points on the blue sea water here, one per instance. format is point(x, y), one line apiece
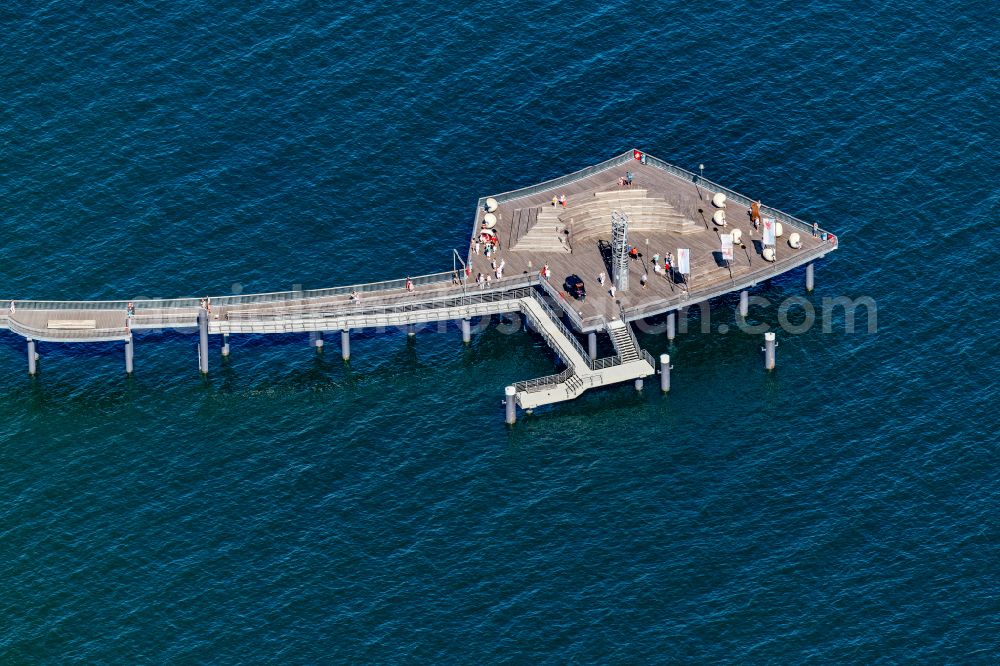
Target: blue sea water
point(293, 509)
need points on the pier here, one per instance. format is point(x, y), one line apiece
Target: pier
point(543, 234)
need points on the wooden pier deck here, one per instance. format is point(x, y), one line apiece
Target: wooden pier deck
point(672, 212)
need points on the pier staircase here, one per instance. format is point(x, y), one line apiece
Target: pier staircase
point(546, 233)
point(623, 340)
point(582, 372)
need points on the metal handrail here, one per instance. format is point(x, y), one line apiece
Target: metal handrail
point(631, 335)
point(558, 297)
point(779, 215)
point(32, 332)
point(363, 310)
point(559, 181)
point(607, 362)
point(533, 385)
point(562, 327)
point(762, 272)
point(223, 301)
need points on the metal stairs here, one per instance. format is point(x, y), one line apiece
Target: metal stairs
point(623, 340)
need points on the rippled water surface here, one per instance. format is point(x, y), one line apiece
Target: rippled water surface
point(294, 509)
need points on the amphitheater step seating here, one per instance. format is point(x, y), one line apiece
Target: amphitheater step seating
point(592, 216)
point(547, 234)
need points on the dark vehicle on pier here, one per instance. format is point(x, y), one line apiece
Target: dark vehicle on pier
point(574, 287)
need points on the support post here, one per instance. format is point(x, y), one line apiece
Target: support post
point(769, 345)
point(466, 330)
point(129, 355)
point(744, 303)
point(638, 384)
point(511, 407)
point(317, 341)
point(225, 344)
point(32, 358)
point(411, 330)
point(203, 341)
point(664, 372)
point(345, 344)
point(592, 345)
point(810, 276)
point(671, 325)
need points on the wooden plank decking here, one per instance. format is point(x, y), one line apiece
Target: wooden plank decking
point(709, 273)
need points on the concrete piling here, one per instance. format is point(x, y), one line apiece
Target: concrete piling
point(129, 355)
point(744, 303)
point(411, 330)
point(810, 276)
point(466, 330)
point(769, 345)
point(664, 372)
point(32, 358)
point(638, 384)
point(225, 344)
point(203, 341)
point(345, 344)
point(318, 341)
point(671, 325)
point(510, 394)
point(592, 344)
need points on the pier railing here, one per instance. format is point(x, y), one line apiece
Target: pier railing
point(709, 185)
point(361, 311)
point(92, 334)
point(561, 181)
point(542, 383)
point(441, 278)
point(557, 320)
point(625, 158)
point(558, 297)
point(719, 288)
point(606, 362)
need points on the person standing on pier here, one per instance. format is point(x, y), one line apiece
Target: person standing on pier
point(562, 200)
point(555, 200)
point(409, 284)
point(755, 214)
point(644, 279)
point(600, 278)
point(11, 309)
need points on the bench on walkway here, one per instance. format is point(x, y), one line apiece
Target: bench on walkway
point(72, 324)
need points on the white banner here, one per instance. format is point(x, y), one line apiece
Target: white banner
point(769, 238)
point(727, 246)
point(684, 261)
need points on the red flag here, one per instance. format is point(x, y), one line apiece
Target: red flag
point(637, 154)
